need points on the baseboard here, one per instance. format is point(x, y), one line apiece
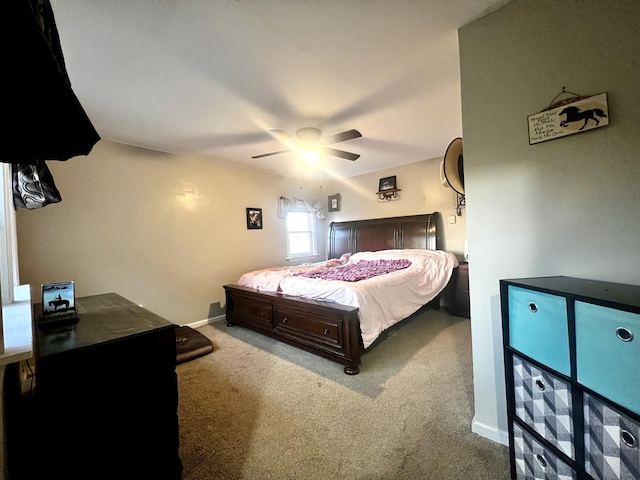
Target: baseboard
point(206, 321)
point(491, 433)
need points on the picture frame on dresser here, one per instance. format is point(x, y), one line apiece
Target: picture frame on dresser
point(570, 349)
point(58, 307)
point(58, 298)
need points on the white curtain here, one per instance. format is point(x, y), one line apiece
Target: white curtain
point(292, 204)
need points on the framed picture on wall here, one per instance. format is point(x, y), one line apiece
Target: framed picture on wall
point(387, 183)
point(254, 218)
point(334, 202)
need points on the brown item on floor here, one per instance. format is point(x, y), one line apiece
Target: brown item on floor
point(191, 344)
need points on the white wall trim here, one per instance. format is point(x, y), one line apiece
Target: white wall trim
point(491, 433)
point(206, 321)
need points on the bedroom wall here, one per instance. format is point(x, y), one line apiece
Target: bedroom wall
point(421, 193)
point(164, 231)
point(568, 206)
point(167, 232)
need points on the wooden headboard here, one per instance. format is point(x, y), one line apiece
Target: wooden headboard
point(415, 231)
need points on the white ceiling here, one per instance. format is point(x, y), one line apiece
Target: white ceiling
point(212, 78)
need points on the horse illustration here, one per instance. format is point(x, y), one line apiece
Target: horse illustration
point(56, 303)
point(575, 115)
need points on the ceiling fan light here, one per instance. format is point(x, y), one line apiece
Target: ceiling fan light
point(309, 156)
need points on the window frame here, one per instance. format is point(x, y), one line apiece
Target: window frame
point(313, 235)
point(9, 276)
point(16, 337)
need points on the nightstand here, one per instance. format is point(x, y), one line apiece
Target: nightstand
point(460, 305)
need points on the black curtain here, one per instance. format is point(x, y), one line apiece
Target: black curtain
point(43, 119)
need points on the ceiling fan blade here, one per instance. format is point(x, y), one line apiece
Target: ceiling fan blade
point(341, 137)
point(283, 136)
point(339, 153)
point(272, 153)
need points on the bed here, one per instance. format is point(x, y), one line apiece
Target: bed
point(379, 272)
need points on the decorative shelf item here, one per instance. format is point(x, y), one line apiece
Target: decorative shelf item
point(388, 189)
point(388, 195)
point(461, 202)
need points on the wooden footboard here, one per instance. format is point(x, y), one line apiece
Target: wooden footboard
point(327, 329)
point(330, 329)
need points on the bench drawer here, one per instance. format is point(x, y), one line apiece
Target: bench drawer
point(247, 310)
point(321, 331)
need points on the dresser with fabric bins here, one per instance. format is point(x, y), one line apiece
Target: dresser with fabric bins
point(572, 370)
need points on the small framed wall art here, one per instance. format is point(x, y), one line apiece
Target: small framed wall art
point(254, 218)
point(334, 202)
point(387, 183)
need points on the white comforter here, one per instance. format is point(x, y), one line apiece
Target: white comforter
point(382, 301)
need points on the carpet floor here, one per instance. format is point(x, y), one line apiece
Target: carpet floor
point(259, 409)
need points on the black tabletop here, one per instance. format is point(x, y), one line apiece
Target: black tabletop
point(606, 293)
point(102, 318)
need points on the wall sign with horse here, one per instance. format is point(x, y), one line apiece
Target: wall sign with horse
point(585, 113)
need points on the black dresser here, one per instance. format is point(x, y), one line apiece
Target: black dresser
point(106, 396)
point(572, 364)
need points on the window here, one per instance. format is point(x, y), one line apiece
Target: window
point(8, 237)
point(16, 321)
point(301, 234)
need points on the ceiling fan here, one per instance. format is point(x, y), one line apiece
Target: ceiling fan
point(309, 139)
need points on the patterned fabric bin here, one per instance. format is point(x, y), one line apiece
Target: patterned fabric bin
point(534, 462)
point(543, 401)
point(611, 442)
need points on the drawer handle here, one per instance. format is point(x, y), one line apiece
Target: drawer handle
point(284, 320)
point(533, 308)
point(628, 439)
point(262, 314)
point(326, 331)
point(541, 461)
point(624, 334)
point(540, 385)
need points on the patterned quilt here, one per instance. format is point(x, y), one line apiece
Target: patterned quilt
point(355, 272)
